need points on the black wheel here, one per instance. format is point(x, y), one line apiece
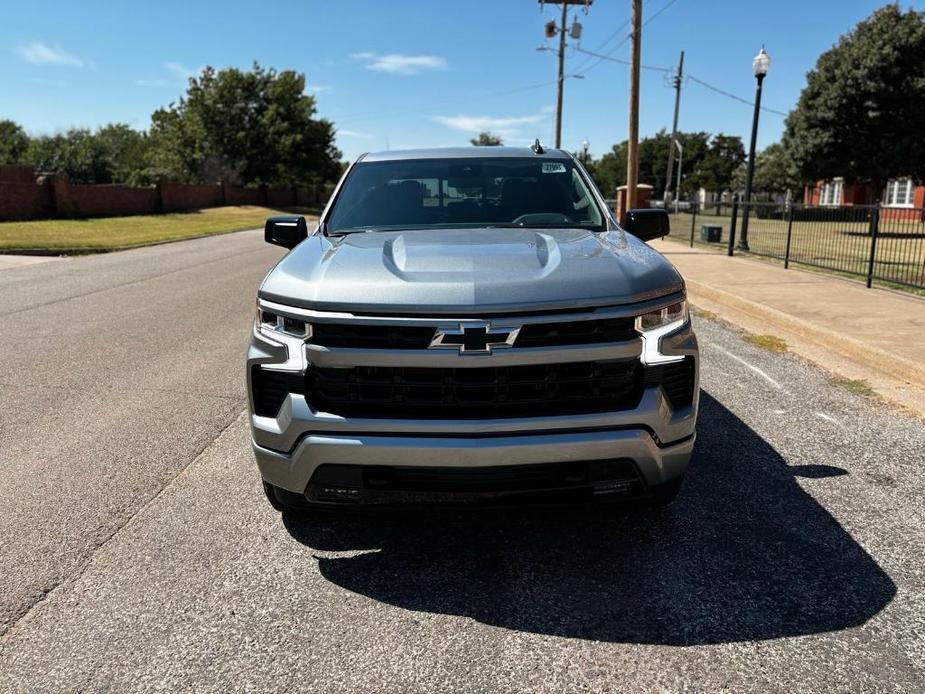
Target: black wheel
point(283, 500)
point(663, 495)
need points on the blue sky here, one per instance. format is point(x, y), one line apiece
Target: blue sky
point(410, 73)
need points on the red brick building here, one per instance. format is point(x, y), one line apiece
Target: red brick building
point(901, 197)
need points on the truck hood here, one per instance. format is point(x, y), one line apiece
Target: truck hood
point(469, 270)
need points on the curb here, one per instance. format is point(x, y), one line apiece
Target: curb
point(847, 347)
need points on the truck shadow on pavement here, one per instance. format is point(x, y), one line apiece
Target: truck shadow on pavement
point(743, 554)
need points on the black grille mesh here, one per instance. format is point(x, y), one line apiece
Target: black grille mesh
point(676, 379)
point(479, 393)
point(585, 332)
point(271, 387)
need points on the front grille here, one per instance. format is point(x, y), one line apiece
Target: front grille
point(371, 336)
point(584, 332)
point(477, 393)
point(270, 389)
point(676, 379)
point(494, 478)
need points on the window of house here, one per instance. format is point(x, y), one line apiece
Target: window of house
point(899, 193)
point(831, 192)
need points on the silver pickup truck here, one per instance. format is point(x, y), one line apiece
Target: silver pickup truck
point(468, 324)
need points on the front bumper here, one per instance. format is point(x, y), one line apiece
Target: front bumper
point(292, 446)
point(293, 471)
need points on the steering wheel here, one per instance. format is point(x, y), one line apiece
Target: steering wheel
point(542, 218)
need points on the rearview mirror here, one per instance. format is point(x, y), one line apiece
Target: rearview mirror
point(286, 230)
point(647, 224)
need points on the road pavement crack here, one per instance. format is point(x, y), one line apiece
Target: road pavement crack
point(49, 592)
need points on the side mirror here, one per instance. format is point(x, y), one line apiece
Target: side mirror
point(286, 230)
point(647, 224)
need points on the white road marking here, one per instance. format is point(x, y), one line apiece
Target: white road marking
point(828, 418)
point(750, 366)
point(780, 411)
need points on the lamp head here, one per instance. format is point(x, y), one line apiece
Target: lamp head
point(761, 63)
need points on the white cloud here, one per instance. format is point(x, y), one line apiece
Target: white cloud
point(150, 83)
point(504, 125)
point(39, 53)
point(180, 70)
point(354, 133)
point(318, 88)
point(399, 64)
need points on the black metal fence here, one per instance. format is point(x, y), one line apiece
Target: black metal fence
point(879, 244)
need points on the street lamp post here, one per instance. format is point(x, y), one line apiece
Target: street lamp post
point(760, 65)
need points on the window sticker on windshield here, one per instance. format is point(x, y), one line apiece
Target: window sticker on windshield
point(553, 167)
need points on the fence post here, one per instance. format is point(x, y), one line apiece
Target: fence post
point(874, 230)
point(732, 224)
point(789, 233)
point(693, 221)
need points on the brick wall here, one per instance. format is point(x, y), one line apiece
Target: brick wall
point(17, 174)
point(177, 196)
point(108, 201)
point(282, 197)
point(25, 201)
point(22, 197)
point(235, 195)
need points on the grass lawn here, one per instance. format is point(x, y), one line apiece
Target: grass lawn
point(115, 233)
point(842, 247)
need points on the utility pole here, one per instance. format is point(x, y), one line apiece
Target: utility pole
point(562, 29)
point(674, 130)
point(632, 150)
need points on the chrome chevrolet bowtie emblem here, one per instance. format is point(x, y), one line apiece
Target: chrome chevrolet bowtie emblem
point(474, 338)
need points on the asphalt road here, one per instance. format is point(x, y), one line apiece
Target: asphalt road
point(137, 551)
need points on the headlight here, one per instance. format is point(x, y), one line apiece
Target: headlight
point(654, 325)
point(275, 324)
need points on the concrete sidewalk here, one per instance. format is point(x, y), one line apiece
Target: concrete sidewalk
point(877, 335)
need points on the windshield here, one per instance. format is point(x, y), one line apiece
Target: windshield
point(471, 192)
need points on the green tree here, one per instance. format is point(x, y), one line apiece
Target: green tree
point(775, 172)
point(486, 139)
point(862, 112)
point(76, 153)
point(123, 150)
point(610, 170)
point(256, 126)
point(13, 142)
point(716, 170)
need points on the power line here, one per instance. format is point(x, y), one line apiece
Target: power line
point(733, 96)
point(622, 62)
point(627, 37)
point(601, 47)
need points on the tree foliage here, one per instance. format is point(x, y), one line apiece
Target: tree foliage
point(486, 139)
point(707, 161)
point(113, 154)
point(253, 127)
point(13, 142)
point(862, 113)
point(75, 153)
point(716, 169)
point(123, 150)
point(775, 172)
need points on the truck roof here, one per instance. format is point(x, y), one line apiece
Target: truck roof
point(462, 153)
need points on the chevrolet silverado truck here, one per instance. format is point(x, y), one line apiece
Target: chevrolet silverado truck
point(467, 324)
